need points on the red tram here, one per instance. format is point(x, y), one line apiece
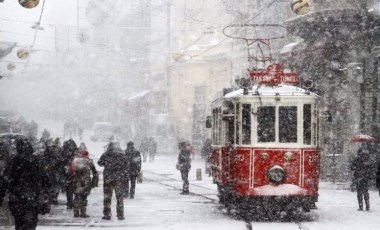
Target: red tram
point(265, 143)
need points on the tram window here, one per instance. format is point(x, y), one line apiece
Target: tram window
point(219, 126)
point(288, 124)
point(246, 124)
point(266, 119)
point(230, 130)
point(307, 124)
point(237, 113)
point(214, 125)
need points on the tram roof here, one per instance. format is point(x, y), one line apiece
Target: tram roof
point(275, 90)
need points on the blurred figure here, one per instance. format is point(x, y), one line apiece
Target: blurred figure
point(152, 149)
point(184, 166)
point(134, 168)
point(80, 171)
point(144, 148)
point(52, 163)
point(68, 152)
point(361, 167)
point(206, 155)
point(25, 183)
point(45, 135)
point(115, 165)
point(80, 132)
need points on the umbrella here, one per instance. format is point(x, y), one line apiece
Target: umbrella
point(362, 138)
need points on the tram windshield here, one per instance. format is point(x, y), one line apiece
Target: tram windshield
point(266, 124)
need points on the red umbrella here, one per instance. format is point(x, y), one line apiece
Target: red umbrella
point(362, 138)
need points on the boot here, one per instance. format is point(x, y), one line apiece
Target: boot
point(366, 200)
point(83, 213)
point(76, 213)
point(360, 200)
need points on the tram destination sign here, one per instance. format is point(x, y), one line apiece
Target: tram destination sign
point(273, 75)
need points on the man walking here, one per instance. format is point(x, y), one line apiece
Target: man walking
point(134, 168)
point(115, 165)
point(184, 165)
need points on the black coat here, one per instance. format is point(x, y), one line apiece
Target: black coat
point(184, 160)
point(362, 170)
point(115, 165)
point(26, 180)
point(134, 161)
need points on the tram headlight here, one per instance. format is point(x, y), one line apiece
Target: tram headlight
point(288, 156)
point(276, 174)
point(264, 156)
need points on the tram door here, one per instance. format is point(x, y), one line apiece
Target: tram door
point(229, 132)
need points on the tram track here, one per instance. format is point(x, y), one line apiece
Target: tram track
point(248, 223)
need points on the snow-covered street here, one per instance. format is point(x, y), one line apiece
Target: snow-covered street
point(159, 205)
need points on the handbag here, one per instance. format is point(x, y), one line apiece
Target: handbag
point(140, 177)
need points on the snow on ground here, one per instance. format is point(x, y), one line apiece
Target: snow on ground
point(158, 204)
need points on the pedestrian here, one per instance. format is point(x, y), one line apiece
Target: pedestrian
point(80, 171)
point(206, 155)
point(25, 184)
point(134, 169)
point(361, 166)
point(115, 164)
point(52, 163)
point(184, 165)
point(45, 135)
point(69, 151)
point(144, 148)
point(152, 149)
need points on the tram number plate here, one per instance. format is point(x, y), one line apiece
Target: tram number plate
point(313, 159)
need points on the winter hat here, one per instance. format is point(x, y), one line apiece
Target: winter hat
point(84, 153)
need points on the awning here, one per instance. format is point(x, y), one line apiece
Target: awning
point(6, 48)
point(139, 95)
point(289, 48)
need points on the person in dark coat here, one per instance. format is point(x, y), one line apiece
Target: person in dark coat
point(206, 155)
point(134, 168)
point(361, 166)
point(25, 183)
point(52, 162)
point(378, 176)
point(80, 171)
point(68, 152)
point(115, 165)
point(184, 166)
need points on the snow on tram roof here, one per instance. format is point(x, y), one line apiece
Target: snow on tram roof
point(265, 90)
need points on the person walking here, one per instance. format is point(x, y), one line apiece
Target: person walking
point(134, 168)
point(115, 165)
point(52, 163)
point(184, 166)
point(361, 166)
point(69, 151)
point(80, 171)
point(152, 149)
point(25, 183)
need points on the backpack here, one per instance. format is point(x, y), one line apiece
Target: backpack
point(80, 166)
